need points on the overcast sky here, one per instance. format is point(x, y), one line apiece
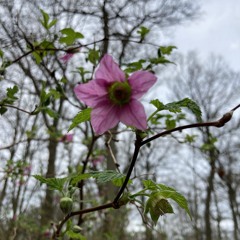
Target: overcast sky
point(217, 31)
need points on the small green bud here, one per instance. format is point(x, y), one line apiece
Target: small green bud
point(76, 229)
point(66, 205)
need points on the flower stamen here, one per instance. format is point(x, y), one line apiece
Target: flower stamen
point(120, 93)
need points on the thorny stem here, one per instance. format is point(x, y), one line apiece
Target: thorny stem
point(138, 144)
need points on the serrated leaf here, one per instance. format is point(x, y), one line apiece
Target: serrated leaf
point(160, 60)
point(143, 31)
point(150, 185)
point(192, 106)
point(176, 107)
point(79, 177)
point(52, 183)
point(70, 37)
point(11, 92)
point(81, 117)
point(106, 176)
point(102, 177)
point(178, 198)
point(167, 50)
point(74, 235)
point(157, 206)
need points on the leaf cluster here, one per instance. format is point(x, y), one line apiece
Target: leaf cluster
point(9, 99)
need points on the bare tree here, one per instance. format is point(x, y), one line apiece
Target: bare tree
point(214, 86)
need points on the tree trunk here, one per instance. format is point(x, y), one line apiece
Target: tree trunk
point(48, 206)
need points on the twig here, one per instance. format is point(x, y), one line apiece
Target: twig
point(219, 123)
point(111, 152)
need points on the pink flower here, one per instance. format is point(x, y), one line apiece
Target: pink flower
point(66, 57)
point(66, 138)
point(97, 160)
point(69, 54)
point(113, 98)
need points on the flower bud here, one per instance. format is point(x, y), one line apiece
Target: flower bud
point(66, 205)
point(76, 229)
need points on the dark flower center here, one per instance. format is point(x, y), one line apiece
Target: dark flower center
point(119, 93)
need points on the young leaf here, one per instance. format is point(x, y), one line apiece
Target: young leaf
point(93, 56)
point(81, 117)
point(143, 31)
point(70, 36)
point(77, 236)
point(157, 206)
point(167, 50)
point(45, 19)
point(106, 176)
point(53, 183)
point(11, 92)
point(1, 54)
point(176, 107)
point(178, 198)
point(2, 110)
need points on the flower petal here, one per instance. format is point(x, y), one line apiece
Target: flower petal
point(66, 57)
point(140, 82)
point(109, 70)
point(104, 117)
point(92, 92)
point(133, 114)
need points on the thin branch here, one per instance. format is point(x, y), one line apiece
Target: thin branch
point(19, 109)
point(133, 161)
point(219, 123)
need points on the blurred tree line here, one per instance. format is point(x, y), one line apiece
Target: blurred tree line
point(202, 163)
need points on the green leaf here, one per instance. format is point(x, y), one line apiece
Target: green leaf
point(3, 110)
point(50, 112)
point(157, 206)
point(70, 36)
point(37, 56)
point(150, 185)
point(45, 22)
point(163, 191)
point(11, 92)
point(102, 177)
point(52, 23)
point(178, 198)
point(106, 176)
point(81, 117)
point(75, 178)
point(1, 54)
point(52, 183)
point(143, 31)
point(67, 31)
point(167, 50)
point(93, 56)
point(176, 107)
point(45, 19)
point(159, 60)
point(74, 235)
point(135, 66)
point(170, 123)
